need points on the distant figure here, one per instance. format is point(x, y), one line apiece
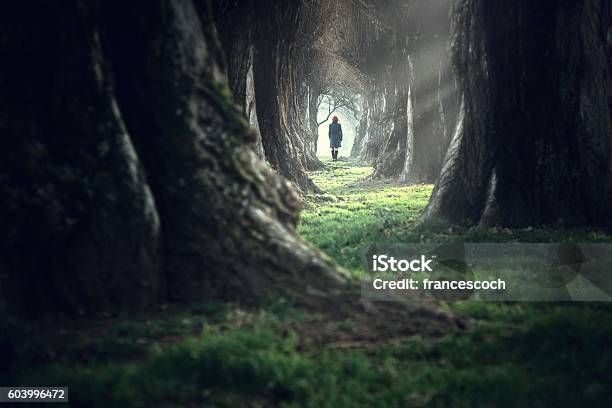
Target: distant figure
point(335, 137)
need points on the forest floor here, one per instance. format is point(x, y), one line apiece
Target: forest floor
point(512, 354)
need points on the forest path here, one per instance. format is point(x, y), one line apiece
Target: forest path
point(356, 211)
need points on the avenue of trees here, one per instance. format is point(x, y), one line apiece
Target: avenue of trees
point(156, 151)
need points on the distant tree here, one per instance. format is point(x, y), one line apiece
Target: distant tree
point(336, 99)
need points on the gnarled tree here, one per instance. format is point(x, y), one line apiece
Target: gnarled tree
point(533, 144)
point(129, 172)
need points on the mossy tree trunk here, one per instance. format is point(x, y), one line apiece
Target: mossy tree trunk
point(81, 226)
point(128, 175)
point(279, 67)
point(238, 49)
point(533, 144)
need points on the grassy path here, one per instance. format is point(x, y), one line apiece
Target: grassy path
point(355, 211)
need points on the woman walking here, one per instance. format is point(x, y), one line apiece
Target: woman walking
point(335, 137)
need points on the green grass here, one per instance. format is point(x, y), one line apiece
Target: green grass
point(516, 355)
point(355, 211)
point(513, 354)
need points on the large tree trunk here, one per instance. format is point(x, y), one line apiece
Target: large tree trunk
point(238, 47)
point(302, 126)
point(429, 138)
point(127, 87)
point(279, 66)
point(533, 144)
point(361, 135)
point(80, 225)
point(265, 47)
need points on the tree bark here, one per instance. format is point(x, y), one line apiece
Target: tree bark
point(81, 225)
point(374, 126)
point(279, 66)
point(311, 131)
point(429, 140)
point(533, 143)
point(397, 82)
point(313, 111)
point(361, 135)
point(238, 47)
point(131, 87)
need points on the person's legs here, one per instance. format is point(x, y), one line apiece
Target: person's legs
point(333, 155)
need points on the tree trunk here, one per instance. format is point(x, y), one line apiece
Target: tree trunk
point(390, 160)
point(125, 88)
point(376, 127)
point(361, 134)
point(533, 143)
point(80, 224)
point(238, 47)
point(312, 134)
point(429, 140)
point(303, 128)
point(278, 86)
point(250, 109)
point(433, 93)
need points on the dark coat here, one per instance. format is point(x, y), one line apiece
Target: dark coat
point(335, 135)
